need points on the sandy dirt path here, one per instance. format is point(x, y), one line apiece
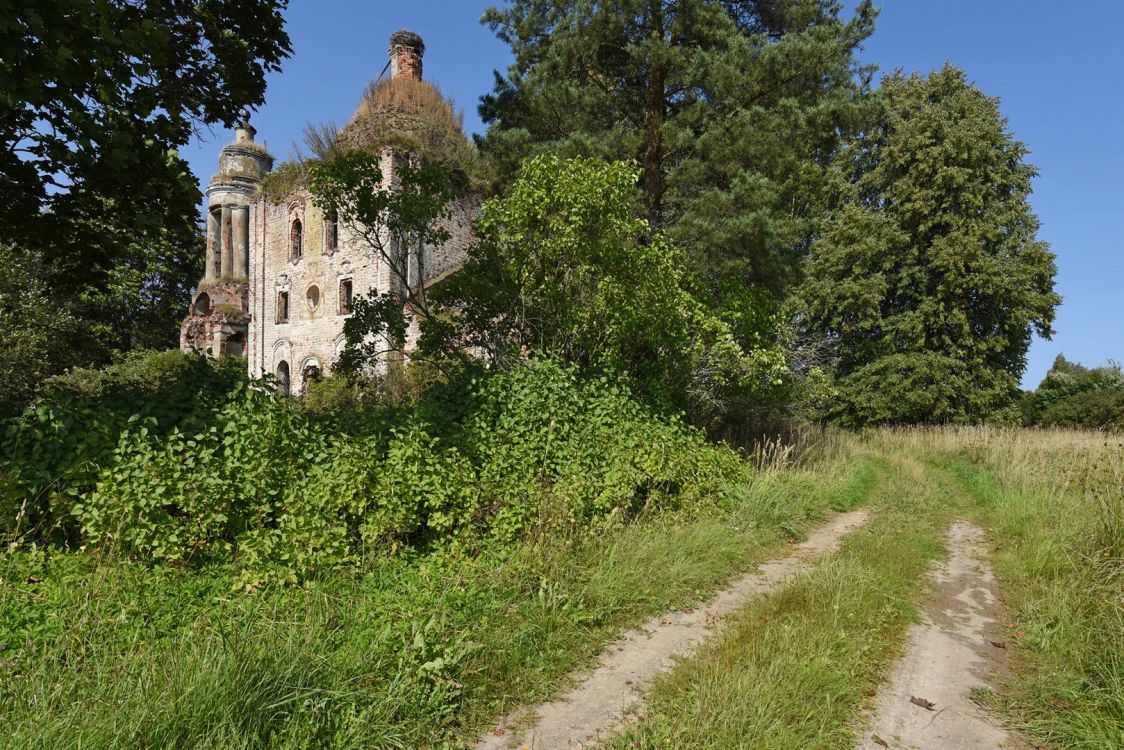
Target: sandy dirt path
point(599, 700)
point(956, 647)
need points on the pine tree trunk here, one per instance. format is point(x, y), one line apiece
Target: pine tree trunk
point(653, 149)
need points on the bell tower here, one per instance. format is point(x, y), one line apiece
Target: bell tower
point(219, 315)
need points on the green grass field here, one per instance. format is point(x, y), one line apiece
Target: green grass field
point(795, 669)
point(426, 651)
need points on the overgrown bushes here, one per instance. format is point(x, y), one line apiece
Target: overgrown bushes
point(53, 454)
point(1072, 395)
point(178, 460)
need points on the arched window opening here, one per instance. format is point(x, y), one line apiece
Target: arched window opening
point(331, 231)
point(310, 373)
point(203, 304)
point(312, 296)
point(283, 377)
point(296, 238)
point(345, 297)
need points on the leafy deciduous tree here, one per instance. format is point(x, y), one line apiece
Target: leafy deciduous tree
point(1072, 395)
point(97, 98)
point(931, 279)
point(394, 221)
point(563, 267)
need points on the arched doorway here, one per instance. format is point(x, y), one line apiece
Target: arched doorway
point(310, 371)
point(283, 377)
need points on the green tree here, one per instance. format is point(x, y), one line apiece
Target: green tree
point(931, 280)
point(564, 266)
point(139, 299)
point(38, 337)
point(1072, 395)
point(392, 222)
point(734, 109)
point(98, 97)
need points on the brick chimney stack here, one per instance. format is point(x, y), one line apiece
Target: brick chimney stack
point(406, 51)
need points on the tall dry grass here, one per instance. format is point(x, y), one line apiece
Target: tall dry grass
point(804, 446)
point(1082, 470)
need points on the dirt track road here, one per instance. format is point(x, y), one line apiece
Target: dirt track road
point(947, 655)
point(600, 699)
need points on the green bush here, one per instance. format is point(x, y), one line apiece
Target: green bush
point(55, 453)
point(1072, 395)
point(175, 460)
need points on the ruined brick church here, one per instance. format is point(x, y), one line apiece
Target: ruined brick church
point(280, 274)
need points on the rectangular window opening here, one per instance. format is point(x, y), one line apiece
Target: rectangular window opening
point(282, 307)
point(331, 231)
point(345, 296)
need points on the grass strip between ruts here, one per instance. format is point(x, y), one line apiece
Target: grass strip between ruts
point(793, 669)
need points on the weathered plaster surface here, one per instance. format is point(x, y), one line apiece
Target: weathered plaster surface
point(254, 278)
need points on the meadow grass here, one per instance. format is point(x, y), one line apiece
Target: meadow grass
point(1053, 502)
point(420, 652)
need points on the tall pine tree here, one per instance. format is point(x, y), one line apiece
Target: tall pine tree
point(734, 109)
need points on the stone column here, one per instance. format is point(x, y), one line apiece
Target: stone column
point(241, 229)
point(214, 243)
point(227, 243)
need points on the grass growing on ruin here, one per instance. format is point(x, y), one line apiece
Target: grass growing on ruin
point(416, 652)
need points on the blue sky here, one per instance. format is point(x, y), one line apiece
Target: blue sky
point(1057, 75)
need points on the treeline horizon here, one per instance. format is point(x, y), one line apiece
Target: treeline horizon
point(829, 249)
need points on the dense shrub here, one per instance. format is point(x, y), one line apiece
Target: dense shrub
point(1072, 395)
point(53, 454)
point(177, 460)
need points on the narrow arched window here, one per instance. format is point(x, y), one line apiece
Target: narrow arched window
point(331, 231)
point(296, 239)
point(283, 377)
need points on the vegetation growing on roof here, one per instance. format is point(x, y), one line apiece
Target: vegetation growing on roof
point(403, 114)
point(284, 179)
point(254, 146)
